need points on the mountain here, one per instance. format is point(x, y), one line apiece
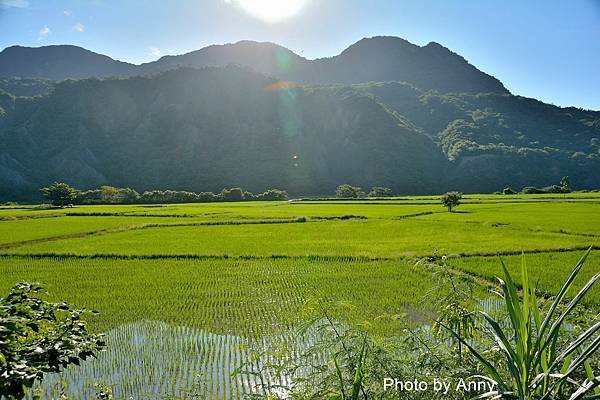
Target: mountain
point(369, 117)
point(203, 129)
point(493, 140)
point(60, 62)
point(375, 59)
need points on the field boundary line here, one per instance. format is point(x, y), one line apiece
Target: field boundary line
point(99, 232)
point(183, 256)
point(528, 251)
point(35, 216)
point(316, 257)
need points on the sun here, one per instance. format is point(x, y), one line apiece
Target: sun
point(272, 10)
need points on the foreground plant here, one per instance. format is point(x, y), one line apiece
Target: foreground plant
point(39, 337)
point(539, 363)
point(454, 300)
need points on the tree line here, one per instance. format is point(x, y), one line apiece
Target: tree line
point(564, 186)
point(62, 194)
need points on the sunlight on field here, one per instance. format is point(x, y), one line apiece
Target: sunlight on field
point(245, 272)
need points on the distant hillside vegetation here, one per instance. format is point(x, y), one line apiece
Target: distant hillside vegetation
point(384, 113)
point(195, 129)
point(202, 129)
point(493, 139)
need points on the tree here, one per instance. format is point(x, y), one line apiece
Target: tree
point(378, 191)
point(59, 194)
point(508, 190)
point(451, 200)
point(349, 192)
point(565, 185)
point(273, 195)
point(233, 194)
point(38, 337)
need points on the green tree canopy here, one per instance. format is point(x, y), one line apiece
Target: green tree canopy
point(451, 200)
point(349, 192)
point(378, 191)
point(59, 194)
point(233, 194)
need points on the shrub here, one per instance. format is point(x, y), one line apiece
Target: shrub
point(508, 190)
point(554, 189)
point(531, 190)
point(39, 337)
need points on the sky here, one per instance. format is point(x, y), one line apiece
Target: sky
point(546, 49)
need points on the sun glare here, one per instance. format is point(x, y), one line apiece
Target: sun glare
point(272, 10)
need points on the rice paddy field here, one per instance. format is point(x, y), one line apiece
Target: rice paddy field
point(185, 292)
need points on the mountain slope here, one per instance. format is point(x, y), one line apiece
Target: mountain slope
point(369, 60)
point(205, 129)
point(494, 140)
point(60, 62)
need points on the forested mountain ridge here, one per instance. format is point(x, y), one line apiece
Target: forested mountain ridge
point(196, 129)
point(374, 59)
point(202, 129)
point(259, 126)
point(492, 138)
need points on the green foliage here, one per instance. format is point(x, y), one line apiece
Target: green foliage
point(531, 190)
point(538, 365)
point(565, 185)
point(26, 86)
point(215, 126)
point(562, 187)
point(107, 195)
point(451, 200)
point(346, 191)
point(272, 195)
point(454, 299)
point(178, 196)
point(59, 194)
point(377, 191)
point(114, 195)
point(39, 337)
point(406, 137)
point(233, 194)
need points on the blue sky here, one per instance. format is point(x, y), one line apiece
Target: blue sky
point(548, 49)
